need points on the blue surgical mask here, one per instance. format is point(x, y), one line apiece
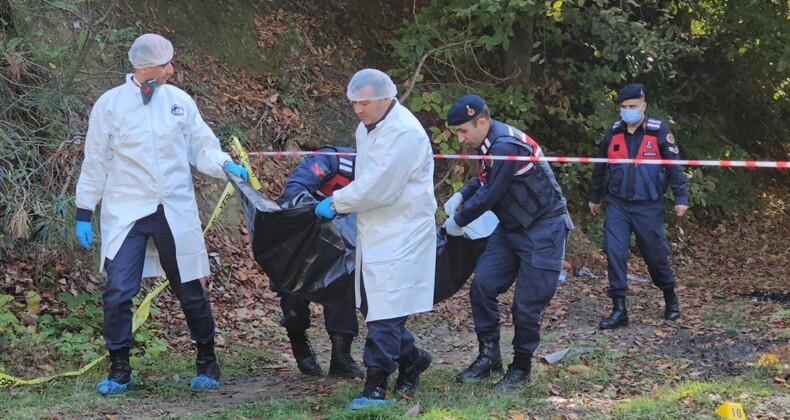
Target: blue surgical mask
point(630, 115)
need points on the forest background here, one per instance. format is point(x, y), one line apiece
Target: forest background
point(273, 74)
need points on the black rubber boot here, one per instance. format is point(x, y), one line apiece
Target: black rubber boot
point(120, 370)
point(409, 373)
point(206, 361)
point(619, 316)
point(208, 371)
point(672, 305)
point(375, 391)
point(303, 353)
point(518, 373)
point(375, 384)
point(488, 362)
point(120, 377)
point(342, 364)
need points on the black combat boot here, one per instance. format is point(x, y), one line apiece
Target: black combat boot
point(409, 373)
point(342, 364)
point(375, 391)
point(208, 371)
point(303, 353)
point(619, 316)
point(518, 373)
point(488, 362)
point(672, 305)
point(120, 377)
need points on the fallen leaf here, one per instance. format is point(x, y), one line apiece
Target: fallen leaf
point(579, 369)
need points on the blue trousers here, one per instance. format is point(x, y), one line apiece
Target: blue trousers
point(532, 258)
point(646, 221)
point(124, 274)
point(296, 316)
point(389, 343)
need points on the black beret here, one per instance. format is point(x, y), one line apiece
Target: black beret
point(632, 91)
point(465, 109)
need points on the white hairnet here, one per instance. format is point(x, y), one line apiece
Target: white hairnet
point(381, 86)
point(150, 50)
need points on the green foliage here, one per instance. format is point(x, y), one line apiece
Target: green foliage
point(78, 333)
point(582, 52)
point(5, 242)
point(757, 29)
point(42, 93)
point(9, 323)
point(75, 334)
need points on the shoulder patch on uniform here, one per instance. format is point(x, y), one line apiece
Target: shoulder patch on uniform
point(670, 138)
point(616, 125)
point(653, 124)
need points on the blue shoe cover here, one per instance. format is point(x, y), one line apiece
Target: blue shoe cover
point(362, 403)
point(108, 387)
point(203, 382)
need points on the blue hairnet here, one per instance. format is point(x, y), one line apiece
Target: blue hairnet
point(150, 50)
point(370, 85)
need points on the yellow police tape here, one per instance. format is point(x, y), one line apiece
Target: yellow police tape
point(144, 309)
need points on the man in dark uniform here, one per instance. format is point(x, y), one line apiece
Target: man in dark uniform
point(317, 177)
point(635, 200)
point(527, 247)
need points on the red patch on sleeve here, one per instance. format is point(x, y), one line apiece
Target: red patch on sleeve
point(318, 170)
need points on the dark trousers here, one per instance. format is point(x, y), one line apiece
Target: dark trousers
point(532, 258)
point(124, 274)
point(296, 316)
point(646, 221)
point(389, 343)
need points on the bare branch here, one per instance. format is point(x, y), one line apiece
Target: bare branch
point(87, 46)
point(422, 61)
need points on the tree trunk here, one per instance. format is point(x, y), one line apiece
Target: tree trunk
point(7, 19)
point(515, 61)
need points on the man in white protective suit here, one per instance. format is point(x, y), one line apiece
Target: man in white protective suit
point(142, 138)
point(392, 195)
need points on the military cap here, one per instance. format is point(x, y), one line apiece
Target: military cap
point(632, 91)
point(465, 109)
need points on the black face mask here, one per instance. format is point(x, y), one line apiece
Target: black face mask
point(147, 90)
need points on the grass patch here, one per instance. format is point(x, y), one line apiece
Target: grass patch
point(617, 385)
point(439, 397)
point(698, 399)
point(732, 320)
point(158, 382)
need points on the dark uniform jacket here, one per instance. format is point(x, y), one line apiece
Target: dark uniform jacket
point(518, 192)
point(638, 182)
point(321, 175)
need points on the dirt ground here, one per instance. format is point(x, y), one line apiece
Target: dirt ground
point(570, 321)
point(726, 303)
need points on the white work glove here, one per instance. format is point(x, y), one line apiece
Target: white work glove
point(452, 228)
point(451, 206)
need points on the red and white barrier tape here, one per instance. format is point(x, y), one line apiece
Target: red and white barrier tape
point(685, 162)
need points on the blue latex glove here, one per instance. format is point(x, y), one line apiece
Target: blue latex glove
point(85, 234)
point(237, 170)
point(323, 211)
point(452, 228)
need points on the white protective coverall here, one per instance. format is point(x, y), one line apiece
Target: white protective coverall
point(392, 194)
point(137, 157)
